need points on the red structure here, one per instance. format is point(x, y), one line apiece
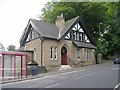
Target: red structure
point(13, 65)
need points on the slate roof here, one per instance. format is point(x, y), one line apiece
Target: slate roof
point(68, 25)
point(84, 45)
point(45, 29)
point(50, 30)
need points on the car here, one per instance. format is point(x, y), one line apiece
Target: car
point(116, 61)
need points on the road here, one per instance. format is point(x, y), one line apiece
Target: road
point(96, 76)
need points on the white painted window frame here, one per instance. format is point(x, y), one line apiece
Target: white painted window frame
point(53, 53)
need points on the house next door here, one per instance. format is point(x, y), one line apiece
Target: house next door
point(63, 56)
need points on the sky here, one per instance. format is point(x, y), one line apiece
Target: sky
point(14, 16)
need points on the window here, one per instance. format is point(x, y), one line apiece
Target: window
point(90, 54)
point(77, 36)
point(32, 35)
point(83, 37)
point(53, 53)
point(80, 36)
point(85, 54)
point(78, 54)
point(77, 33)
point(74, 35)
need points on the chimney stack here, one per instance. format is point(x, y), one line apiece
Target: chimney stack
point(60, 21)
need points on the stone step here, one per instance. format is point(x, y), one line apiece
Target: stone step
point(64, 67)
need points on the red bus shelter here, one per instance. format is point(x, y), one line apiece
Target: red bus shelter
point(13, 65)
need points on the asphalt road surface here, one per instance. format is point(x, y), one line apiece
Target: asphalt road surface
point(97, 76)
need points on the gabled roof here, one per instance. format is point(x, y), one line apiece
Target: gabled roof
point(50, 30)
point(45, 29)
point(68, 25)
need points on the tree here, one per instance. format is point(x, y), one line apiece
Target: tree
point(101, 19)
point(92, 13)
point(110, 41)
point(11, 48)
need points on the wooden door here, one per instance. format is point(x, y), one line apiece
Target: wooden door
point(64, 57)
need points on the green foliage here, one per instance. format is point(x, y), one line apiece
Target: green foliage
point(101, 19)
point(92, 13)
point(11, 48)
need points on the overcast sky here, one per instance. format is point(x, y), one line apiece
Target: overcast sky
point(14, 15)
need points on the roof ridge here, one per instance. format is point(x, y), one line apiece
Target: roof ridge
point(72, 18)
point(43, 21)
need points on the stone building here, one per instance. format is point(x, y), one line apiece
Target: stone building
point(63, 43)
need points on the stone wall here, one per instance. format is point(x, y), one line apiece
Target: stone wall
point(52, 65)
point(35, 45)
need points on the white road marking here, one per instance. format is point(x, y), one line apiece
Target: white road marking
point(52, 85)
point(84, 75)
point(116, 86)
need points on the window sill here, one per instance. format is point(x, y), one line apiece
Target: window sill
point(54, 60)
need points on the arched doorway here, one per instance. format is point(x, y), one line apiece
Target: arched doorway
point(63, 56)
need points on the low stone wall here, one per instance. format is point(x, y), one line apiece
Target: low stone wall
point(41, 69)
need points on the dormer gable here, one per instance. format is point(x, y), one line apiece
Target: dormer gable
point(77, 33)
point(75, 30)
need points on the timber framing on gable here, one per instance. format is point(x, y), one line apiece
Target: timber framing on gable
point(77, 21)
point(45, 30)
point(29, 30)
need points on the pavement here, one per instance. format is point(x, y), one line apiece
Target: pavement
point(50, 73)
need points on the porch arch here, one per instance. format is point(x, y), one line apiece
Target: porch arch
point(64, 56)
